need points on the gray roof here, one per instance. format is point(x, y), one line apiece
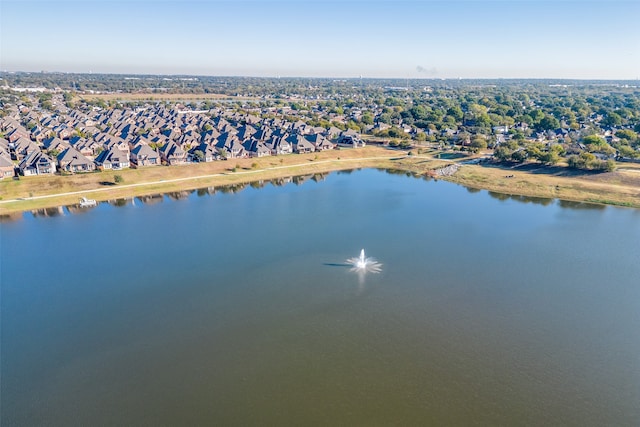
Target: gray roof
point(72, 157)
point(5, 162)
point(33, 158)
point(144, 150)
point(113, 155)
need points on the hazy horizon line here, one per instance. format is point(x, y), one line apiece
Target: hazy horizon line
point(335, 77)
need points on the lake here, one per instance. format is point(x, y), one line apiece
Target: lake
point(234, 306)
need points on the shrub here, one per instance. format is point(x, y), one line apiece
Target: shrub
point(610, 165)
point(587, 161)
point(118, 179)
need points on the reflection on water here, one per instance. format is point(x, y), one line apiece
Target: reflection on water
point(499, 196)
point(580, 205)
point(301, 179)
point(179, 195)
point(392, 171)
point(544, 201)
point(257, 184)
point(232, 188)
point(318, 177)
point(151, 199)
point(206, 191)
point(452, 156)
point(11, 217)
point(48, 212)
point(278, 182)
point(486, 313)
point(77, 209)
point(120, 203)
point(315, 177)
point(347, 171)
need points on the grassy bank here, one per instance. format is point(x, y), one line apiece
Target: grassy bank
point(621, 188)
point(48, 191)
point(616, 188)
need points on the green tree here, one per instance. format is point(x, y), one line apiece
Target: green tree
point(627, 134)
point(593, 140)
point(367, 118)
point(421, 136)
point(418, 112)
point(558, 149)
point(535, 151)
point(199, 155)
point(597, 144)
point(550, 157)
point(627, 151)
point(455, 112)
point(479, 142)
point(384, 118)
point(392, 102)
point(519, 155)
point(548, 123)
point(483, 120)
point(612, 119)
point(502, 153)
point(353, 125)
point(536, 116)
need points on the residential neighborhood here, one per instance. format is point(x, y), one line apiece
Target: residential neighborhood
point(69, 140)
point(54, 129)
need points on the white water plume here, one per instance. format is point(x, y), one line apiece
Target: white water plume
point(363, 264)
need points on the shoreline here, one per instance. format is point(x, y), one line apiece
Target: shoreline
point(619, 188)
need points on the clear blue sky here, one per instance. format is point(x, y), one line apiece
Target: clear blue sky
point(484, 39)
